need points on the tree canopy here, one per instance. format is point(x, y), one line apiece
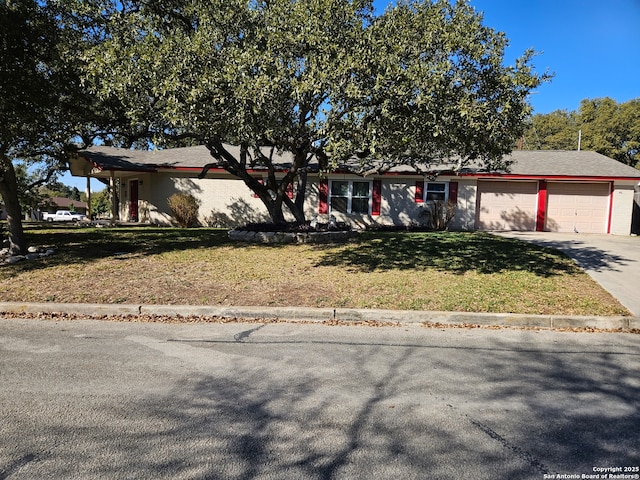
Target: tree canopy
point(46, 107)
point(602, 124)
point(418, 84)
point(32, 86)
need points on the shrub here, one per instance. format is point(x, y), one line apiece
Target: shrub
point(437, 214)
point(184, 208)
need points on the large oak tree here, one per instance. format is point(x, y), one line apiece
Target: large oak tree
point(418, 84)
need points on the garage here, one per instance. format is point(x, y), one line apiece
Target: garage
point(503, 205)
point(577, 207)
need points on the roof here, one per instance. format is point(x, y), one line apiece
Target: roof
point(64, 202)
point(190, 158)
point(526, 163)
point(569, 163)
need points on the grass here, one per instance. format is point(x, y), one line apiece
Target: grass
point(470, 272)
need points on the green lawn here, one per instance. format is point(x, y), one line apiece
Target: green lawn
point(472, 272)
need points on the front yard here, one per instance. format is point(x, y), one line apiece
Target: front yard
point(471, 272)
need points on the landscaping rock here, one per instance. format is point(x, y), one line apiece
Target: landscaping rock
point(34, 253)
point(291, 237)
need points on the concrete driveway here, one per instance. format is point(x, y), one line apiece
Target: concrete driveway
point(611, 260)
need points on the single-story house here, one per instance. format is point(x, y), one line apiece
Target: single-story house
point(563, 191)
point(53, 204)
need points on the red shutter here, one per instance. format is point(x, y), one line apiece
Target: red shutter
point(419, 191)
point(261, 182)
point(453, 192)
point(376, 199)
point(323, 204)
point(541, 215)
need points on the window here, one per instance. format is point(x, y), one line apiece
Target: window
point(445, 191)
point(349, 196)
point(435, 191)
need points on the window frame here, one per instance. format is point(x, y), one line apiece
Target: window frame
point(425, 193)
point(350, 196)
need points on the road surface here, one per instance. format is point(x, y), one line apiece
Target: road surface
point(97, 399)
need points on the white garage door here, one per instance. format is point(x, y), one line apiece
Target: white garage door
point(507, 205)
point(577, 207)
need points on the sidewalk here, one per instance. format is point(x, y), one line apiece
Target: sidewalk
point(296, 314)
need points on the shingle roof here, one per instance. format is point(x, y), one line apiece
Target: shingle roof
point(568, 163)
point(63, 202)
point(535, 163)
point(110, 158)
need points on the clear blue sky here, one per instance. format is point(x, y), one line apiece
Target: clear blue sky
point(592, 47)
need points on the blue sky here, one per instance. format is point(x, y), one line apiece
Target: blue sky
point(592, 47)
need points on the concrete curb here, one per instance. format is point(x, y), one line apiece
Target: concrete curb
point(293, 314)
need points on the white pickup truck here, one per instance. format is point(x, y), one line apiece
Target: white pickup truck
point(63, 216)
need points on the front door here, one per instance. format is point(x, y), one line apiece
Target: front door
point(133, 200)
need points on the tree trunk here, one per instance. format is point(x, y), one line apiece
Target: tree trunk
point(301, 195)
point(275, 211)
point(272, 193)
point(9, 192)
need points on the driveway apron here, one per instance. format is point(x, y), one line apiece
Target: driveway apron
point(611, 260)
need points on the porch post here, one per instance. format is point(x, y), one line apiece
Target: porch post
point(89, 197)
point(112, 187)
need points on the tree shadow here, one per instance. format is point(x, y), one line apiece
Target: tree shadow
point(456, 252)
point(585, 403)
point(515, 219)
point(81, 245)
point(432, 409)
point(238, 213)
point(586, 256)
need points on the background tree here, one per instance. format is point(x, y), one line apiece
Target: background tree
point(30, 195)
point(100, 204)
point(607, 127)
point(315, 78)
point(54, 188)
point(557, 130)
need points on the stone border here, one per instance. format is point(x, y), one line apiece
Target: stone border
point(291, 237)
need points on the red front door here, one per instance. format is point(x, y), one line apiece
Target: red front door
point(133, 200)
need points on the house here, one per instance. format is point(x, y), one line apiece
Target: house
point(53, 204)
point(563, 191)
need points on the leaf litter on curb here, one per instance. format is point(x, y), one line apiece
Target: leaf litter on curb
point(195, 319)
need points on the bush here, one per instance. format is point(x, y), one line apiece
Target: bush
point(184, 208)
point(437, 214)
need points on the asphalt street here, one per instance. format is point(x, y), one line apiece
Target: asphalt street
point(97, 399)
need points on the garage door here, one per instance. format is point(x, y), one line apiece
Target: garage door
point(577, 207)
point(507, 205)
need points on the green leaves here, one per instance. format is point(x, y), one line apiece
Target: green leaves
point(433, 86)
point(607, 127)
point(423, 80)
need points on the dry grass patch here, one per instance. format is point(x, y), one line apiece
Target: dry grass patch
point(471, 272)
